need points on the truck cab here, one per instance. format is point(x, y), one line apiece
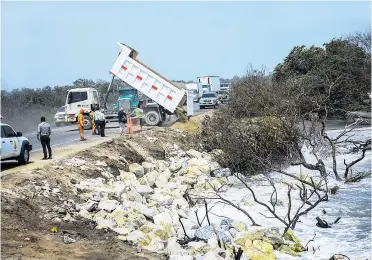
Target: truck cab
point(128, 99)
point(81, 98)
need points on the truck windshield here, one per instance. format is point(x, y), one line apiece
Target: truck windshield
point(74, 97)
point(209, 95)
point(126, 92)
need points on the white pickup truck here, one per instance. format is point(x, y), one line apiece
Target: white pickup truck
point(13, 145)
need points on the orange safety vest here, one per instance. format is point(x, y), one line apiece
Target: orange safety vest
point(81, 120)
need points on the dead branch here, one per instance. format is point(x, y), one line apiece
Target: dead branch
point(184, 231)
point(311, 240)
point(364, 147)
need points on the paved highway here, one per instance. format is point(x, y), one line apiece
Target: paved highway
point(62, 136)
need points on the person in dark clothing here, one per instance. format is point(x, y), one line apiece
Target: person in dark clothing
point(43, 135)
point(102, 122)
point(122, 116)
point(96, 121)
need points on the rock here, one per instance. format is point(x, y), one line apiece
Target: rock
point(146, 228)
point(162, 234)
point(134, 196)
point(89, 206)
point(226, 222)
point(336, 257)
point(161, 165)
point(197, 245)
point(243, 237)
point(189, 179)
point(174, 167)
point(214, 166)
point(56, 220)
point(207, 232)
point(274, 237)
point(249, 203)
point(163, 218)
point(156, 245)
point(151, 177)
point(248, 243)
point(224, 172)
point(213, 255)
point(50, 216)
point(263, 246)
point(55, 190)
point(68, 240)
point(164, 200)
point(289, 235)
point(239, 226)
point(148, 167)
point(137, 169)
point(138, 237)
point(74, 181)
point(75, 161)
point(101, 163)
point(256, 254)
point(123, 231)
point(108, 205)
point(68, 218)
point(129, 178)
point(173, 247)
point(180, 257)
point(143, 181)
point(144, 190)
point(194, 154)
point(296, 247)
point(285, 249)
point(59, 210)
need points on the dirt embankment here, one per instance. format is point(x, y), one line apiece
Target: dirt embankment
point(34, 202)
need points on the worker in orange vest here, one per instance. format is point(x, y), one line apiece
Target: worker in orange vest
point(91, 114)
point(81, 125)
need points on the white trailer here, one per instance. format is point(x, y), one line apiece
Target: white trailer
point(208, 84)
point(168, 97)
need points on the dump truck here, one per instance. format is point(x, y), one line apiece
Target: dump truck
point(167, 97)
point(161, 96)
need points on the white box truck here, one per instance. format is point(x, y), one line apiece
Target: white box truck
point(208, 84)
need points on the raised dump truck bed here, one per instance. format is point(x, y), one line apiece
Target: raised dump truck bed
point(149, 82)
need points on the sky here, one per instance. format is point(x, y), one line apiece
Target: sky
point(55, 43)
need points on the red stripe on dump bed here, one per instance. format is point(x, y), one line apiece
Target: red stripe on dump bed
point(169, 97)
point(123, 67)
point(112, 73)
point(139, 77)
point(154, 87)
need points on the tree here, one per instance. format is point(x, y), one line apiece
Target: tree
point(341, 64)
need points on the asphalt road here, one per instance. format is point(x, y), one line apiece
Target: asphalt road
point(65, 135)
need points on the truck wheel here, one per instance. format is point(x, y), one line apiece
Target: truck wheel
point(87, 122)
point(152, 118)
point(24, 157)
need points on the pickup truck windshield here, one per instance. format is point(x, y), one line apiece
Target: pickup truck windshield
point(209, 95)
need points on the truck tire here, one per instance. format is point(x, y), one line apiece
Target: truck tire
point(24, 157)
point(152, 118)
point(87, 122)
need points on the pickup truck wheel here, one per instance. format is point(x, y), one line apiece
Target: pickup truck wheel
point(201, 107)
point(87, 122)
point(152, 118)
point(24, 157)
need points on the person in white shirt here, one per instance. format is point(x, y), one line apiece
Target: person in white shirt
point(102, 122)
point(96, 120)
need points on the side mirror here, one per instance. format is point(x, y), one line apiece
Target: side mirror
point(19, 134)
